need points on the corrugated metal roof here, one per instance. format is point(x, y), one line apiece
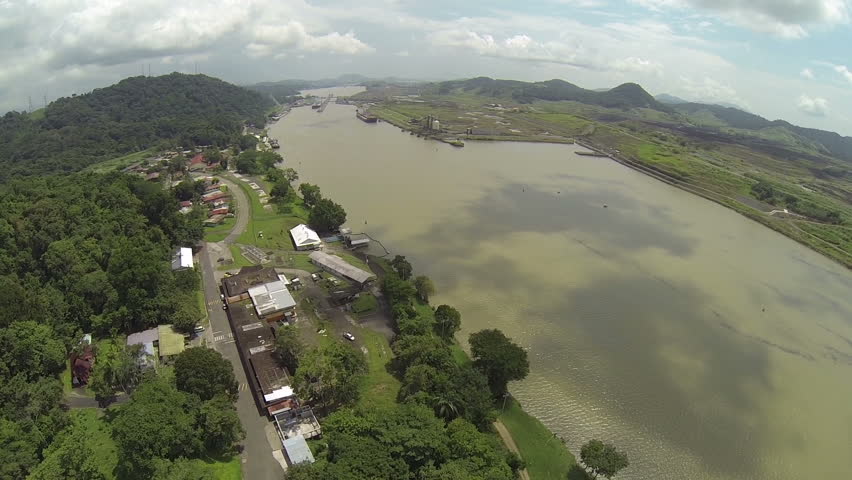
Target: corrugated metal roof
point(271, 297)
point(304, 236)
point(340, 267)
point(297, 450)
point(182, 258)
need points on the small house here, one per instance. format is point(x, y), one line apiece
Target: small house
point(182, 259)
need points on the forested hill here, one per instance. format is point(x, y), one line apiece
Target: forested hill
point(135, 114)
point(81, 253)
point(628, 95)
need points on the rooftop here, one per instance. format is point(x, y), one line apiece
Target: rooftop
point(171, 342)
point(271, 297)
point(247, 278)
point(340, 266)
point(297, 450)
point(182, 258)
point(141, 338)
point(303, 235)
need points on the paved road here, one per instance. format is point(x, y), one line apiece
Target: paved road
point(258, 462)
point(242, 212)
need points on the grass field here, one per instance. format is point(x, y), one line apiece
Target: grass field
point(219, 232)
point(365, 303)
point(379, 388)
point(275, 226)
point(119, 162)
point(545, 454)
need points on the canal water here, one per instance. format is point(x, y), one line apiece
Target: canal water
point(703, 344)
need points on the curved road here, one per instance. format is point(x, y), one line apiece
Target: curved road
point(242, 210)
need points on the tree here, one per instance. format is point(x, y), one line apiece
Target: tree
point(396, 290)
point(275, 175)
point(425, 287)
point(32, 349)
point(220, 427)
point(247, 142)
point(158, 422)
point(447, 321)
point(326, 215)
point(18, 452)
point(184, 190)
point(116, 368)
point(310, 193)
point(291, 175)
point(289, 347)
point(499, 359)
point(186, 317)
point(410, 350)
point(69, 457)
point(402, 267)
point(329, 376)
point(204, 372)
point(180, 469)
point(280, 191)
point(602, 459)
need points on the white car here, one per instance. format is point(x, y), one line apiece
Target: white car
point(349, 336)
point(315, 277)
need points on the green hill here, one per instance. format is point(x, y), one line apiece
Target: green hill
point(626, 96)
point(133, 115)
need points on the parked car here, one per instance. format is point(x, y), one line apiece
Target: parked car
point(315, 277)
point(199, 328)
point(224, 306)
point(349, 336)
point(222, 297)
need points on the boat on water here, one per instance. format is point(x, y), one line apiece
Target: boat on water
point(315, 106)
point(366, 117)
point(274, 143)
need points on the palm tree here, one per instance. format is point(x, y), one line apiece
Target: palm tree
point(445, 408)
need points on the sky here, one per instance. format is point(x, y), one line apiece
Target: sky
point(787, 59)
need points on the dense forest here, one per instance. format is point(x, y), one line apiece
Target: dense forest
point(133, 115)
point(82, 253)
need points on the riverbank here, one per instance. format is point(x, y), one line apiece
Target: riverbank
point(787, 227)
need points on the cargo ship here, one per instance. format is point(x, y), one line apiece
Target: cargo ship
point(366, 117)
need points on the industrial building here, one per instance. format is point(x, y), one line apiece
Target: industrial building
point(272, 301)
point(338, 266)
point(236, 288)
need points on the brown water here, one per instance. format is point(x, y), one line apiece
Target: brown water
point(703, 344)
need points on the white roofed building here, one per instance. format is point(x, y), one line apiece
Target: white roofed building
point(272, 301)
point(304, 238)
point(339, 266)
point(182, 259)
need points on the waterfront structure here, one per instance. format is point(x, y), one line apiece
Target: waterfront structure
point(339, 266)
point(304, 238)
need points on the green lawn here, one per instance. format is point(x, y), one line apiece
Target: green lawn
point(365, 303)
point(545, 454)
point(239, 259)
point(222, 468)
point(274, 225)
point(99, 438)
point(119, 162)
point(219, 232)
point(379, 388)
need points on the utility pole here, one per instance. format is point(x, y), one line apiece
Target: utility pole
point(30, 101)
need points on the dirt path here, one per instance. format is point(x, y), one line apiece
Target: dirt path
point(510, 444)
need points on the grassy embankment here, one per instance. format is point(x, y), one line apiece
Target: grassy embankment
point(99, 438)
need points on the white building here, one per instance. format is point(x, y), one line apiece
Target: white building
point(272, 300)
point(304, 238)
point(182, 259)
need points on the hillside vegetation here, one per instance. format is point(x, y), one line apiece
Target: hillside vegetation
point(133, 115)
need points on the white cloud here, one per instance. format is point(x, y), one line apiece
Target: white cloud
point(814, 106)
point(710, 90)
point(844, 71)
point(783, 18)
point(807, 73)
point(269, 40)
point(638, 65)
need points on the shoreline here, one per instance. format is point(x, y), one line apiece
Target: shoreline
point(824, 248)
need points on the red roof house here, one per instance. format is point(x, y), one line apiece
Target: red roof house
point(81, 367)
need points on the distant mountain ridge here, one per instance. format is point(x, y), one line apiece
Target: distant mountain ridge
point(631, 95)
point(628, 95)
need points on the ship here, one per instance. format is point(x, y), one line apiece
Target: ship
point(366, 117)
point(274, 143)
point(315, 106)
